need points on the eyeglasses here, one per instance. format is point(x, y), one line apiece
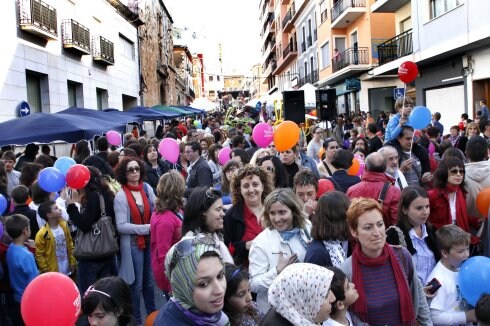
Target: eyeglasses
point(456, 171)
point(135, 169)
point(91, 289)
point(211, 193)
point(187, 247)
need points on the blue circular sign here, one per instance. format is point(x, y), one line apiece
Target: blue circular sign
point(23, 109)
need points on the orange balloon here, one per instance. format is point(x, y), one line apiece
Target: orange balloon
point(286, 135)
point(321, 152)
point(150, 319)
point(313, 113)
point(483, 201)
point(354, 168)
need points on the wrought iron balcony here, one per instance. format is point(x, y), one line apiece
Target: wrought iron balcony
point(102, 50)
point(397, 47)
point(289, 15)
point(351, 56)
point(343, 5)
point(323, 16)
point(310, 78)
point(291, 47)
point(308, 41)
point(75, 36)
point(38, 18)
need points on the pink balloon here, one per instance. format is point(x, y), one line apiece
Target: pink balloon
point(432, 149)
point(114, 138)
point(224, 155)
point(169, 149)
point(361, 165)
point(263, 134)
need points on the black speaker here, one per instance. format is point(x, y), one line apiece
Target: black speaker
point(326, 104)
point(294, 106)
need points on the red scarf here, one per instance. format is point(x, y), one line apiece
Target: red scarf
point(461, 214)
point(360, 306)
point(135, 212)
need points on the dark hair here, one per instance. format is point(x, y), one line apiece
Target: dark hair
point(360, 150)
point(373, 128)
point(38, 194)
point(482, 309)
point(100, 164)
point(249, 171)
point(441, 174)
point(234, 276)
point(476, 149)
point(31, 150)
point(337, 286)
point(121, 169)
point(404, 128)
point(146, 150)
point(305, 177)
point(225, 184)
point(200, 200)
point(342, 159)
point(15, 224)
point(242, 154)
point(44, 160)
point(281, 174)
point(29, 173)
point(45, 149)
point(453, 152)
point(330, 218)
point(409, 194)
point(237, 140)
point(117, 300)
point(82, 151)
point(136, 147)
point(3, 178)
point(128, 152)
point(102, 144)
point(212, 152)
point(450, 235)
point(195, 146)
point(8, 155)
point(355, 140)
point(113, 159)
point(45, 208)
point(433, 132)
point(97, 183)
point(20, 194)
point(328, 141)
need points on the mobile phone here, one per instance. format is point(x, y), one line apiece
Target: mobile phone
point(435, 285)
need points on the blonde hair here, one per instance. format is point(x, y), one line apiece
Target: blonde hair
point(170, 190)
point(287, 197)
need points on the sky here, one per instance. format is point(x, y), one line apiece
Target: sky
point(233, 23)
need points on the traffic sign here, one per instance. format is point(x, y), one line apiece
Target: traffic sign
point(23, 109)
point(398, 93)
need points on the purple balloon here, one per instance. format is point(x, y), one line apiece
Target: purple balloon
point(114, 138)
point(3, 205)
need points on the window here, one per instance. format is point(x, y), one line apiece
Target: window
point(323, 11)
point(75, 94)
point(211, 93)
point(37, 91)
point(439, 7)
point(312, 65)
point(210, 78)
point(127, 47)
point(325, 56)
point(129, 102)
point(306, 68)
point(217, 78)
point(102, 98)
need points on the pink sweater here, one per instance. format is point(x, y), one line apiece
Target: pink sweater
point(165, 230)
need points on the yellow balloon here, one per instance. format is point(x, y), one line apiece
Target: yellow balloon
point(286, 135)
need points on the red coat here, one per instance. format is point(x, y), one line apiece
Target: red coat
point(440, 211)
point(370, 187)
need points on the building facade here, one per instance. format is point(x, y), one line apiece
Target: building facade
point(67, 53)
point(184, 86)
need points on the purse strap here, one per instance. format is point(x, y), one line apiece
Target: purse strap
point(102, 205)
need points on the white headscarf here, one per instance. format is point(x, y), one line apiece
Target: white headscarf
point(299, 291)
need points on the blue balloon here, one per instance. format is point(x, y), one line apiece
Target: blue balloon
point(64, 163)
point(474, 278)
point(420, 117)
point(51, 179)
point(3, 205)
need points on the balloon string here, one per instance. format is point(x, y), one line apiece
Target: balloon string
point(404, 92)
point(411, 145)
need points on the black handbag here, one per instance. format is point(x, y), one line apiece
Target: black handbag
point(100, 241)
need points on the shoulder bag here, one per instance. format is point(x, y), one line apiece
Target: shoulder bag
point(100, 241)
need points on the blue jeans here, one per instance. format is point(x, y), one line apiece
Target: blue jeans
point(143, 282)
point(89, 271)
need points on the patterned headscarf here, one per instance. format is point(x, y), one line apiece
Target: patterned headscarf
point(299, 291)
point(181, 269)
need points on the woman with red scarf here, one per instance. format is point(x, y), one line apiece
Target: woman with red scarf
point(133, 206)
point(390, 292)
point(448, 197)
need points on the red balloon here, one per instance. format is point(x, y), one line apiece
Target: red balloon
point(324, 186)
point(50, 299)
point(461, 126)
point(408, 71)
point(77, 176)
point(483, 201)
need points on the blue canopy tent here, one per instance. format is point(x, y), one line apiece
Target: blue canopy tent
point(46, 128)
point(116, 116)
point(151, 114)
point(191, 109)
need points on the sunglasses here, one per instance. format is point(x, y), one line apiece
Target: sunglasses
point(187, 247)
point(211, 193)
point(135, 169)
point(456, 171)
point(91, 289)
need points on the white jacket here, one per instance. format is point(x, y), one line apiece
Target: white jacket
point(477, 178)
point(263, 260)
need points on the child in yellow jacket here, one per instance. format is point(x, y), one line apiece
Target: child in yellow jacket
point(54, 245)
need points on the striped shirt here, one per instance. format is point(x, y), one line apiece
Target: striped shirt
point(424, 257)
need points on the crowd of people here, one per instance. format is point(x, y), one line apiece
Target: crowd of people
point(258, 240)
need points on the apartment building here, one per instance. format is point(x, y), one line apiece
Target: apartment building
point(449, 40)
point(184, 85)
point(307, 61)
point(256, 83)
point(198, 75)
point(58, 54)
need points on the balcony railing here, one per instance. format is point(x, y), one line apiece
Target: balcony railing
point(397, 47)
point(291, 47)
point(303, 47)
point(102, 50)
point(289, 15)
point(323, 16)
point(38, 18)
point(267, 22)
point(351, 56)
point(308, 41)
point(343, 5)
point(310, 78)
point(75, 36)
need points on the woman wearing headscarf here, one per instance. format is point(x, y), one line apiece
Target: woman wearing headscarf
point(300, 296)
point(197, 276)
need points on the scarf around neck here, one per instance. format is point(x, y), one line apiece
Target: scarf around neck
point(136, 216)
point(203, 319)
point(289, 234)
point(461, 214)
point(360, 260)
